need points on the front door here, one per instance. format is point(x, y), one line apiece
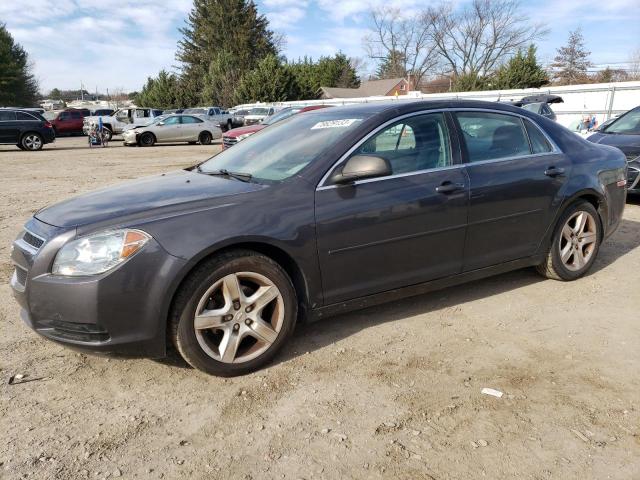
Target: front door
point(407, 228)
point(515, 177)
point(170, 130)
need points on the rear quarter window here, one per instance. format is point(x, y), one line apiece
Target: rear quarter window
point(25, 116)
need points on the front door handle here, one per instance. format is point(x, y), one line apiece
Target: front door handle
point(449, 187)
point(554, 172)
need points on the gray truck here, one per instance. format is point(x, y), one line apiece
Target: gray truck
point(214, 114)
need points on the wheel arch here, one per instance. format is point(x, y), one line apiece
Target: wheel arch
point(268, 249)
point(155, 139)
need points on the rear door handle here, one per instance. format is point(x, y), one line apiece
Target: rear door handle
point(449, 187)
point(554, 172)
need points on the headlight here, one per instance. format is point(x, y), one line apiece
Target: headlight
point(244, 135)
point(99, 252)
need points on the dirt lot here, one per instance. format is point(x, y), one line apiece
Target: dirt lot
point(390, 392)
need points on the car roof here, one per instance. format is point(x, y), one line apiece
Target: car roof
point(401, 107)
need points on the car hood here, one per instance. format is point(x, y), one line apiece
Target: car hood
point(148, 197)
point(243, 130)
point(622, 141)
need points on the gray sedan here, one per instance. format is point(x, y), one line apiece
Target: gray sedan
point(173, 128)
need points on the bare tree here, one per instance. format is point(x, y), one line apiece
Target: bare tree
point(479, 37)
point(402, 42)
point(634, 65)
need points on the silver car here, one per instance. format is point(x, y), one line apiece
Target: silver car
point(172, 129)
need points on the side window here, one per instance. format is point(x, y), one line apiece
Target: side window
point(63, 116)
point(24, 116)
point(141, 113)
point(490, 136)
point(189, 119)
point(76, 115)
point(539, 143)
point(413, 144)
point(172, 121)
point(122, 114)
point(6, 116)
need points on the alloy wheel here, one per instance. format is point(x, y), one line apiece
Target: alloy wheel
point(578, 240)
point(32, 142)
point(239, 317)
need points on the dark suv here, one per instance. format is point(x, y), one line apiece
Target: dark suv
point(26, 129)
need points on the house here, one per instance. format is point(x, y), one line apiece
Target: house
point(388, 87)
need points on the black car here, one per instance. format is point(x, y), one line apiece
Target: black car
point(326, 211)
point(624, 133)
point(27, 130)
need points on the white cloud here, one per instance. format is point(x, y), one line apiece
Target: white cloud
point(286, 18)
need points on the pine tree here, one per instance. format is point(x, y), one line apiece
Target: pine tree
point(160, 92)
point(213, 26)
point(392, 66)
point(18, 86)
point(521, 71)
point(221, 80)
point(572, 60)
point(335, 71)
point(271, 81)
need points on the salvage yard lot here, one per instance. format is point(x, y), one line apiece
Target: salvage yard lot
point(387, 392)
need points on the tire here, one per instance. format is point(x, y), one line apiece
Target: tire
point(108, 134)
point(32, 141)
point(575, 244)
point(252, 337)
point(19, 145)
point(205, 138)
point(147, 140)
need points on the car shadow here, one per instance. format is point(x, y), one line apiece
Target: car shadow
point(314, 336)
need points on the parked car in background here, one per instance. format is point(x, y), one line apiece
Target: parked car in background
point(114, 124)
point(172, 110)
point(237, 118)
point(69, 121)
point(539, 104)
point(624, 132)
point(336, 209)
point(24, 129)
point(214, 114)
point(172, 129)
point(235, 135)
point(102, 112)
point(258, 114)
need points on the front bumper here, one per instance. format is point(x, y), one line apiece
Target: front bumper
point(129, 137)
point(122, 311)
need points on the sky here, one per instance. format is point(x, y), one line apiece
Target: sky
point(117, 47)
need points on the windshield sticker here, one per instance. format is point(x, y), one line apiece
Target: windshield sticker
point(347, 122)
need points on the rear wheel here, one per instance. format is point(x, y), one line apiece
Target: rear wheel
point(205, 138)
point(575, 243)
point(32, 141)
point(107, 133)
point(147, 140)
point(233, 313)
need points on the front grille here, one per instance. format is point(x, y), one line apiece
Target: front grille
point(31, 239)
point(82, 332)
point(229, 141)
point(632, 156)
point(633, 178)
point(21, 276)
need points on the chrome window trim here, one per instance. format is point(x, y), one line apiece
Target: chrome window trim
point(555, 149)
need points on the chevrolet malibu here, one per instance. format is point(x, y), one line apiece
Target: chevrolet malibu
point(326, 211)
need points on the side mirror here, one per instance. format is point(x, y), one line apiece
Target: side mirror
point(361, 167)
point(160, 124)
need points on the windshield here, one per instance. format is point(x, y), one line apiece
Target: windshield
point(532, 107)
point(259, 111)
point(281, 151)
point(629, 123)
point(281, 115)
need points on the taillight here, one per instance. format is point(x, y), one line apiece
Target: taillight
point(47, 125)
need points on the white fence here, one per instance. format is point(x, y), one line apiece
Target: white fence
point(603, 100)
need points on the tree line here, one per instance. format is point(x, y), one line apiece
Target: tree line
point(228, 55)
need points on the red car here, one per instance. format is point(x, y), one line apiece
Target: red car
point(69, 121)
point(231, 137)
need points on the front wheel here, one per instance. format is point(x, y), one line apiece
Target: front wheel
point(147, 140)
point(575, 243)
point(233, 313)
point(107, 133)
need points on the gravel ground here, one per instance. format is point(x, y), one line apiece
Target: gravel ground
point(389, 392)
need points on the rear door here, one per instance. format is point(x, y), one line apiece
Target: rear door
point(516, 175)
point(9, 128)
point(190, 128)
point(385, 233)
